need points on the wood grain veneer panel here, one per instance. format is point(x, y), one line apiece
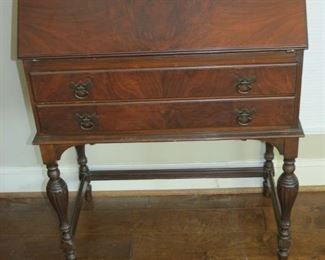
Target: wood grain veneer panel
point(166, 116)
point(104, 27)
point(213, 82)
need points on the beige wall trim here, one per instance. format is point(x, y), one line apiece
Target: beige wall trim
point(186, 192)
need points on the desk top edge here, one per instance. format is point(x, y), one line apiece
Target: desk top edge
point(161, 54)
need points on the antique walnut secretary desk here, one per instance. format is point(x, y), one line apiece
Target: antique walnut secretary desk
point(104, 71)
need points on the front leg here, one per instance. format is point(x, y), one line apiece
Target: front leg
point(287, 191)
point(57, 192)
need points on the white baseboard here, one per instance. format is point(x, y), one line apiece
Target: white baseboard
point(34, 179)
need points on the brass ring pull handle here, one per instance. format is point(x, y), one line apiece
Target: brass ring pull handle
point(244, 116)
point(245, 85)
point(86, 121)
point(81, 89)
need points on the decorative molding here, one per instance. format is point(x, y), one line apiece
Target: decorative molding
point(310, 172)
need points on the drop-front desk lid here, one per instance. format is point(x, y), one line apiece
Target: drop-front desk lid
point(83, 28)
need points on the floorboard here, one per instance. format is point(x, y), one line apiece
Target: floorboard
point(200, 227)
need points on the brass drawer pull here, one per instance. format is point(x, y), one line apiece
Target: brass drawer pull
point(244, 116)
point(81, 89)
point(86, 121)
point(245, 85)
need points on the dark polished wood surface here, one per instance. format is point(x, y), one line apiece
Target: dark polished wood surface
point(210, 114)
point(201, 227)
point(97, 27)
point(166, 83)
point(187, 92)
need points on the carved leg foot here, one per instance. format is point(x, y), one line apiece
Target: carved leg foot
point(84, 170)
point(287, 191)
point(268, 169)
point(57, 192)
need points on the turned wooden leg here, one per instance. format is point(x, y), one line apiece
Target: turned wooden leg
point(57, 192)
point(268, 168)
point(287, 191)
point(83, 169)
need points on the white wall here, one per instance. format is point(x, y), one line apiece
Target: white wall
point(20, 163)
point(313, 91)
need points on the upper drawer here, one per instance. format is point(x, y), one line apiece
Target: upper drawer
point(162, 83)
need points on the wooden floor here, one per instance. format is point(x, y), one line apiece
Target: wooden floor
point(205, 227)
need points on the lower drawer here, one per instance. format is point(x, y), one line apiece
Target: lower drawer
point(114, 117)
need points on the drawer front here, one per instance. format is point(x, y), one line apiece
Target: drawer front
point(208, 114)
point(201, 82)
